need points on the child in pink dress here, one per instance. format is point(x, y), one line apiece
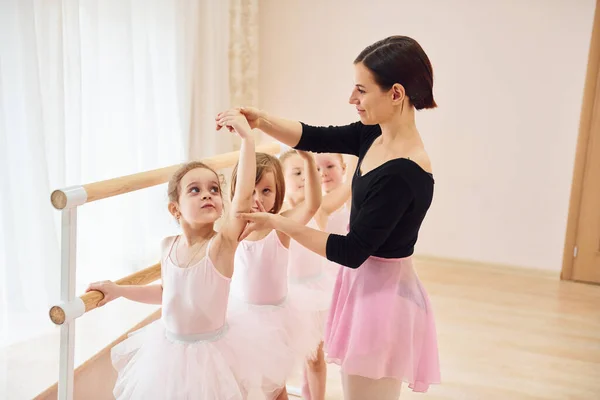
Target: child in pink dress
point(307, 269)
point(336, 181)
point(261, 263)
point(197, 349)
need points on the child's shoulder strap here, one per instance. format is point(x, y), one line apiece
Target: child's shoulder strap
point(209, 244)
point(166, 246)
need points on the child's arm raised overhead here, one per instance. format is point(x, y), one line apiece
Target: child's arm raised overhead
point(339, 196)
point(306, 210)
point(223, 249)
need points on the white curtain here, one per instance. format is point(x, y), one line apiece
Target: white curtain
point(243, 56)
point(91, 90)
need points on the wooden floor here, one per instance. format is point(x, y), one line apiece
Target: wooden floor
point(504, 333)
point(508, 333)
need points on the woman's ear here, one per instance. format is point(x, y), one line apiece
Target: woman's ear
point(398, 93)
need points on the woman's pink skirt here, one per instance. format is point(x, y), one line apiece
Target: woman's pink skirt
point(381, 324)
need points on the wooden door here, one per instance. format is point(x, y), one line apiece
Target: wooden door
point(581, 260)
point(586, 252)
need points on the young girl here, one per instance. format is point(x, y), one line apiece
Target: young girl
point(261, 270)
point(336, 182)
point(307, 269)
point(196, 350)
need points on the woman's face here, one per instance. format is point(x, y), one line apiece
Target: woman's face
point(374, 105)
point(331, 168)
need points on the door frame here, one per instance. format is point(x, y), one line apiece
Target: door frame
point(591, 98)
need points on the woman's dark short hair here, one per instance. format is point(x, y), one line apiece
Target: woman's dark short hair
point(400, 59)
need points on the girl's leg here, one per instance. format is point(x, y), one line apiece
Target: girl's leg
point(360, 388)
point(316, 373)
point(283, 395)
point(305, 387)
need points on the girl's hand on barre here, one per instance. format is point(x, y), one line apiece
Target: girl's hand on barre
point(253, 116)
point(235, 121)
point(109, 289)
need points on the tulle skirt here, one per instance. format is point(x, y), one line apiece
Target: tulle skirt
point(229, 364)
point(319, 289)
point(297, 336)
point(381, 324)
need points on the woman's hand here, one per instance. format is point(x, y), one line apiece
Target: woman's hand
point(257, 221)
point(259, 205)
point(109, 289)
point(235, 121)
point(252, 115)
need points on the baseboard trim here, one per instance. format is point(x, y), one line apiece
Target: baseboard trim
point(521, 270)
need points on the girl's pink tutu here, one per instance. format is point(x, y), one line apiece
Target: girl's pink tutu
point(201, 348)
point(297, 337)
point(224, 365)
point(312, 277)
point(260, 288)
point(381, 324)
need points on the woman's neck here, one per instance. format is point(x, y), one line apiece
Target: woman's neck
point(400, 127)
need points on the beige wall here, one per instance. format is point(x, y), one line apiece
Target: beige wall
point(509, 82)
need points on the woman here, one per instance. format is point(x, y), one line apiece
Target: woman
point(380, 329)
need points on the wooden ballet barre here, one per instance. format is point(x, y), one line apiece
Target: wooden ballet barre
point(89, 301)
point(78, 195)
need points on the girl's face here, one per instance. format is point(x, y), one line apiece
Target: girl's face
point(200, 200)
point(332, 169)
point(265, 193)
point(293, 170)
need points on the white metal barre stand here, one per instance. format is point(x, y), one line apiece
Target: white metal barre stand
point(76, 196)
point(67, 293)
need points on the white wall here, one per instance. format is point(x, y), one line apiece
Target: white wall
point(509, 83)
